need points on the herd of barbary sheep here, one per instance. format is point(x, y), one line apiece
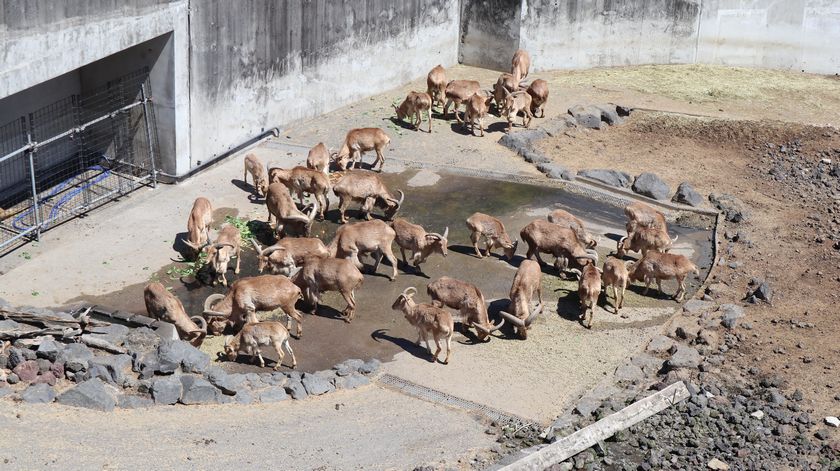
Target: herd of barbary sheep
point(302, 267)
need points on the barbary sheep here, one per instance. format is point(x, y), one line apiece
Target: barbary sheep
point(430, 321)
point(493, 232)
point(357, 142)
point(164, 306)
point(663, 266)
point(421, 243)
point(465, 298)
point(526, 282)
point(254, 335)
point(249, 295)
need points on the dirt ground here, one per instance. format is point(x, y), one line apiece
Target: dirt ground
point(791, 228)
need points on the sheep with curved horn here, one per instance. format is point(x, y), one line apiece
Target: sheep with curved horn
point(421, 243)
point(526, 282)
point(281, 208)
point(198, 224)
point(429, 320)
point(163, 305)
point(366, 187)
point(228, 244)
point(483, 226)
point(466, 298)
point(300, 180)
point(249, 295)
point(546, 237)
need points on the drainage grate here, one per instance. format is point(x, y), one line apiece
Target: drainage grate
point(431, 395)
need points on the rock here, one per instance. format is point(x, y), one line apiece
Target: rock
point(610, 114)
point(684, 357)
point(197, 390)
point(27, 371)
point(295, 388)
point(370, 367)
point(833, 421)
point(255, 380)
point(351, 381)
point(732, 208)
point(91, 394)
point(686, 194)
point(132, 401)
point(114, 333)
point(758, 414)
point(49, 349)
point(141, 340)
point(167, 390)
point(660, 344)
point(629, 374)
point(44, 365)
point(170, 355)
point(4, 361)
point(648, 363)
point(195, 361)
point(650, 185)
point(763, 292)
point(12, 378)
point(717, 465)
point(75, 357)
point(610, 177)
point(556, 171)
point(16, 357)
point(316, 385)
point(273, 394)
point(5, 391)
point(587, 405)
point(46, 378)
point(696, 306)
point(244, 396)
point(730, 315)
point(38, 394)
point(111, 368)
point(586, 116)
point(229, 384)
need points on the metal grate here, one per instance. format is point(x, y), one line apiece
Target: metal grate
point(74, 155)
point(431, 395)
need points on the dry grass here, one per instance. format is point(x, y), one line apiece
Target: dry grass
point(710, 84)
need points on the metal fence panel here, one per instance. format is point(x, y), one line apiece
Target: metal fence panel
point(78, 153)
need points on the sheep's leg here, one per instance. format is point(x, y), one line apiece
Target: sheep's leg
point(647, 286)
point(446, 107)
point(419, 337)
point(292, 313)
point(367, 206)
point(389, 254)
point(680, 289)
point(259, 355)
point(402, 251)
point(480, 127)
point(350, 299)
point(621, 303)
point(488, 246)
point(238, 258)
point(291, 352)
point(342, 208)
point(278, 347)
point(380, 158)
point(457, 108)
point(448, 348)
point(659, 285)
point(430, 119)
point(437, 343)
point(474, 237)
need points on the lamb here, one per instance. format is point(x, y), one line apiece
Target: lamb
point(228, 244)
point(288, 253)
point(646, 238)
point(615, 275)
point(373, 237)
point(283, 210)
point(515, 103)
point(663, 266)
point(255, 167)
point(589, 289)
point(164, 306)
point(413, 105)
point(198, 225)
point(526, 282)
point(505, 84)
point(368, 188)
point(477, 107)
point(457, 92)
point(493, 232)
point(357, 142)
point(254, 335)
point(300, 180)
point(421, 243)
point(466, 298)
point(249, 295)
point(429, 320)
point(539, 96)
point(320, 274)
point(546, 237)
point(436, 85)
point(319, 158)
point(566, 219)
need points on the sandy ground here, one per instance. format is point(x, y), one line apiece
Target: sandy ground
point(372, 428)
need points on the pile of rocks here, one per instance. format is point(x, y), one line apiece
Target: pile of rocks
point(151, 371)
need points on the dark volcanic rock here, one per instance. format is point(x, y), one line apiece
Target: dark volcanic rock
point(650, 185)
point(610, 177)
point(686, 194)
point(91, 394)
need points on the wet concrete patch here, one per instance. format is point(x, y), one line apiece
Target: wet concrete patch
point(380, 332)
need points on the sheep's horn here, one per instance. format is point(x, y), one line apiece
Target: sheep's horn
point(218, 246)
point(533, 315)
point(576, 272)
point(446, 233)
point(208, 304)
point(491, 330)
point(402, 197)
point(270, 250)
point(675, 238)
point(513, 319)
point(592, 255)
point(228, 339)
point(256, 246)
point(410, 291)
point(194, 246)
point(201, 322)
point(314, 210)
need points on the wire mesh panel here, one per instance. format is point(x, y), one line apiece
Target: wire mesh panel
point(83, 151)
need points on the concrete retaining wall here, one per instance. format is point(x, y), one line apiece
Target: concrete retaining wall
point(572, 34)
point(261, 63)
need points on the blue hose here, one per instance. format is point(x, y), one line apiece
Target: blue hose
point(16, 222)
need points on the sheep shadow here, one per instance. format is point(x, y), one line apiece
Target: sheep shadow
point(187, 253)
point(323, 310)
point(498, 126)
point(253, 197)
point(463, 129)
point(470, 251)
point(410, 269)
point(403, 124)
point(418, 351)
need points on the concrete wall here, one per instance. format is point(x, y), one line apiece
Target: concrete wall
point(777, 34)
point(561, 34)
point(262, 63)
point(594, 33)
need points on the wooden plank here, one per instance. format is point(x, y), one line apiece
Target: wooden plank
point(586, 437)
